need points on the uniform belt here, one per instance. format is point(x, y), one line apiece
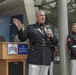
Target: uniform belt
point(74, 45)
point(42, 44)
point(39, 44)
point(51, 45)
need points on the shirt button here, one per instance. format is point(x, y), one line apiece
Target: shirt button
point(35, 32)
point(32, 49)
point(43, 39)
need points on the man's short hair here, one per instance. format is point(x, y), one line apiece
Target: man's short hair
point(73, 24)
point(39, 11)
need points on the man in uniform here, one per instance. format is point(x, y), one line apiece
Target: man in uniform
point(39, 54)
point(71, 43)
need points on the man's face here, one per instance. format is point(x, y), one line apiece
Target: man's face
point(74, 28)
point(40, 17)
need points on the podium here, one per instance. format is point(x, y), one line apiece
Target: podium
point(11, 63)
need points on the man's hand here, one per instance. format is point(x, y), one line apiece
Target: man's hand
point(17, 23)
point(49, 33)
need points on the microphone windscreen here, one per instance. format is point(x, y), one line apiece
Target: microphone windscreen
point(47, 26)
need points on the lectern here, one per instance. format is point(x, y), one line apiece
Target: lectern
point(12, 58)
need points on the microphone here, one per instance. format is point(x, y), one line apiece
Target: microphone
point(50, 33)
point(47, 27)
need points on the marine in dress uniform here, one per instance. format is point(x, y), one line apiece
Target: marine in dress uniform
point(71, 42)
point(39, 54)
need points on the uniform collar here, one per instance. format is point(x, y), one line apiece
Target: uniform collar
point(40, 24)
point(73, 33)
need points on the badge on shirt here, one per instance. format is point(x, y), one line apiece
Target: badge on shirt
point(69, 40)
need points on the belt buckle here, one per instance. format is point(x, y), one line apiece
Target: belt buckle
point(44, 43)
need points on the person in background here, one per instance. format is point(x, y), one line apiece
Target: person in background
point(71, 43)
point(53, 50)
point(40, 38)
